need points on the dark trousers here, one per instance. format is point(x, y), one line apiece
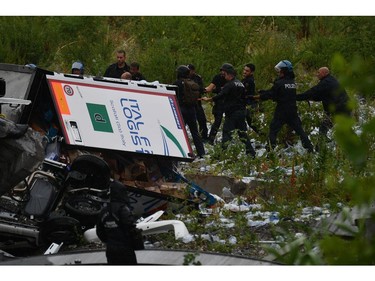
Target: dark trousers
point(291, 118)
point(327, 122)
point(236, 121)
point(218, 112)
point(202, 120)
point(120, 255)
point(249, 112)
point(325, 125)
point(190, 119)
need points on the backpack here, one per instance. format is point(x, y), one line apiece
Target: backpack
point(191, 92)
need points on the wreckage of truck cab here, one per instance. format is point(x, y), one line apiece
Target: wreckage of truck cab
point(65, 138)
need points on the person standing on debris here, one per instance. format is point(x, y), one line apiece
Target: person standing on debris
point(136, 74)
point(217, 83)
point(115, 70)
point(284, 92)
point(117, 229)
point(333, 97)
point(188, 110)
point(78, 68)
point(233, 94)
point(201, 116)
point(249, 83)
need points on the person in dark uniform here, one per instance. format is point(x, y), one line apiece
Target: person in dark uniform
point(188, 111)
point(249, 83)
point(217, 83)
point(117, 69)
point(283, 92)
point(233, 95)
point(333, 97)
point(116, 228)
point(201, 116)
point(136, 74)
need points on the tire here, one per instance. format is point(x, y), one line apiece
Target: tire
point(84, 209)
point(63, 229)
point(96, 170)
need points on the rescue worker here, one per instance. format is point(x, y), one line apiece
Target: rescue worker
point(188, 111)
point(136, 74)
point(233, 95)
point(284, 92)
point(249, 83)
point(78, 68)
point(333, 97)
point(116, 69)
point(217, 83)
point(201, 116)
point(116, 228)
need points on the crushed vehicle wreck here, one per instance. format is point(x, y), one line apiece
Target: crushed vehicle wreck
point(66, 138)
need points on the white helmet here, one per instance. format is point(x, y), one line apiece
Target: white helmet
point(284, 64)
point(78, 65)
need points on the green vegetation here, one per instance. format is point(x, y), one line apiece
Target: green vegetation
point(342, 171)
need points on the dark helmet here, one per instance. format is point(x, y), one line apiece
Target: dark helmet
point(182, 71)
point(228, 68)
point(284, 65)
point(78, 65)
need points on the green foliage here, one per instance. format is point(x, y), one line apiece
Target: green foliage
point(342, 171)
point(359, 250)
point(189, 259)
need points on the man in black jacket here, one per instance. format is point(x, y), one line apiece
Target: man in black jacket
point(201, 116)
point(217, 83)
point(136, 74)
point(249, 83)
point(233, 95)
point(115, 70)
point(283, 92)
point(333, 97)
point(116, 227)
point(188, 111)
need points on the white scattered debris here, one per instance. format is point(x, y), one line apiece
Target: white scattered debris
point(299, 235)
point(226, 193)
point(232, 240)
point(188, 238)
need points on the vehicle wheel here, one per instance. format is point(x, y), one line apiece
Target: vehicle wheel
point(83, 209)
point(60, 229)
point(96, 170)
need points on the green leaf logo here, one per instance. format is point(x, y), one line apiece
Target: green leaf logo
point(173, 139)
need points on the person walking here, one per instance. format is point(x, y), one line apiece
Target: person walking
point(115, 70)
point(201, 116)
point(188, 110)
point(117, 229)
point(283, 92)
point(251, 104)
point(233, 94)
point(217, 83)
point(333, 97)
